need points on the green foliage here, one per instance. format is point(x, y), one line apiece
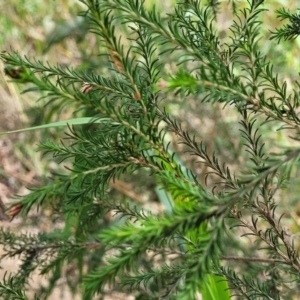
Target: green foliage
point(127, 126)
point(289, 31)
point(9, 291)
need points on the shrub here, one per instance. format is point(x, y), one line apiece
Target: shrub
point(182, 118)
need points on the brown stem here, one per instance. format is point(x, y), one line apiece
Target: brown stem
point(253, 259)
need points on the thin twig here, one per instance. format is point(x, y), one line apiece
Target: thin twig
point(254, 259)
